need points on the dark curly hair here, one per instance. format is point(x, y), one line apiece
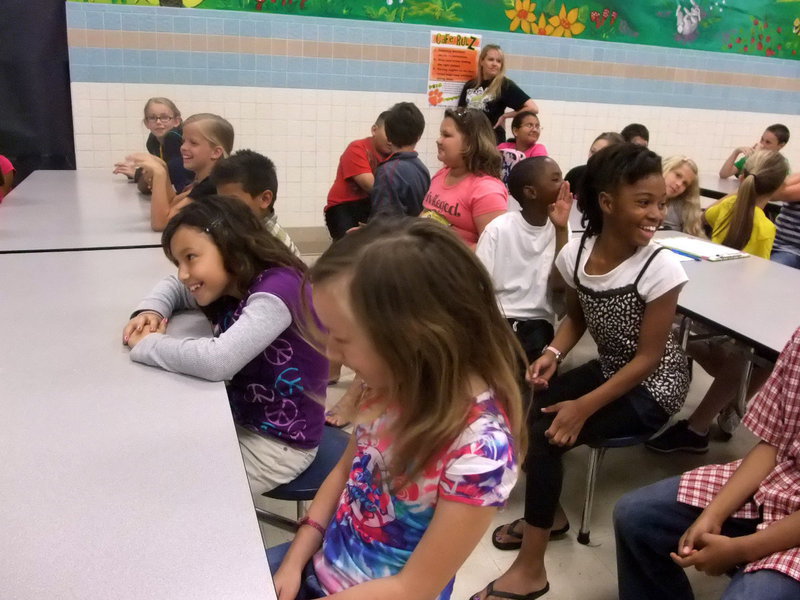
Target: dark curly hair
point(606, 170)
point(247, 248)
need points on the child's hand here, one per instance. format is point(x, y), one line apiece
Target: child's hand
point(717, 554)
point(703, 524)
point(541, 370)
point(125, 168)
point(287, 583)
point(146, 161)
point(142, 324)
point(560, 209)
point(747, 150)
point(564, 429)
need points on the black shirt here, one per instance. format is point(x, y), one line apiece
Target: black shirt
point(511, 96)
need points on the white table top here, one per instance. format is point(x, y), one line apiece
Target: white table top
point(117, 480)
point(751, 299)
point(57, 210)
point(714, 183)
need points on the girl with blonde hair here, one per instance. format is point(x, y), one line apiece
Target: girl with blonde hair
point(206, 139)
point(438, 428)
point(492, 92)
point(683, 196)
point(738, 221)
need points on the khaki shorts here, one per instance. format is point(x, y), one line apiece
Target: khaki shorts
point(270, 462)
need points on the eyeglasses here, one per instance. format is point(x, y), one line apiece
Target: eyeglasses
point(534, 126)
point(159, 118)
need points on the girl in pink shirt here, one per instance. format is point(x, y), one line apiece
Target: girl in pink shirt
point(526, 129)
point(467, 193)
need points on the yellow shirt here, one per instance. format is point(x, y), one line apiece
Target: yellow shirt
point(761, 238)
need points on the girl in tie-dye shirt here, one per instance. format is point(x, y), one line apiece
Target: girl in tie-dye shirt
point(408, 307)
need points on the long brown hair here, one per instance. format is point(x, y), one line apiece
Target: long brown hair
point(429, 309)
point(481, 156)
point(763, 173)
point(247, 248)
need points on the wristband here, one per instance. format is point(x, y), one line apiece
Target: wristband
point(311, 522)
point(559, 355)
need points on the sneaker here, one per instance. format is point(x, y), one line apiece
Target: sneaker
point(679, 438)
point(728, 420)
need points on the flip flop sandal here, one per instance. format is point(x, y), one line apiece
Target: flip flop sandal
point(517, 535)
point(492, 593)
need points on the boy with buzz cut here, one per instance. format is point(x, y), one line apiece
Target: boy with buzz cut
point(775, 137)
point(401, 180)
point(348, 200)
point(251, 178)
point(519, 248)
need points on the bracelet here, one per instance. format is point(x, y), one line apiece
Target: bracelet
point(556, 351)
point(309, 521)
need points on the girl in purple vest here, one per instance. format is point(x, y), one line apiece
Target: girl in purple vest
point(250, 286)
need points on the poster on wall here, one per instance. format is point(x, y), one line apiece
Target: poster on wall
point(766, 28)
point(454, 61)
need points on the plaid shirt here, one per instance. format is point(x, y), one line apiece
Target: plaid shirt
point(271, 223)
point(774, 416)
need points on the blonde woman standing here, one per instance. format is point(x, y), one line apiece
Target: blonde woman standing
point(492, 92)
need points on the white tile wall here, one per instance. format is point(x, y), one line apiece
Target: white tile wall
point(304, 131)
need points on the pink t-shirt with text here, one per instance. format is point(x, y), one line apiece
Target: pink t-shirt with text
point(458, 205)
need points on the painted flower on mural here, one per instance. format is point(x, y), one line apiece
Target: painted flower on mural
point(542, 27)
point(435, 97)
point(565, 24)
point(522, 15)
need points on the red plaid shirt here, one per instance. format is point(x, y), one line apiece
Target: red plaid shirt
point(774, 416)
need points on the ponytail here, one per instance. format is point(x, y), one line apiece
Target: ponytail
point(741, 217)
point(764, 172)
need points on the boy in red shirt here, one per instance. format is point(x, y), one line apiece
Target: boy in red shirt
point(348, 201)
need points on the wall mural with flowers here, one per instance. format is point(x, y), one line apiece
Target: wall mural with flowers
point(750, 27)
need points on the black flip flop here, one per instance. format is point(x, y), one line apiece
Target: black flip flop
point(517, 543)
point(490, 592)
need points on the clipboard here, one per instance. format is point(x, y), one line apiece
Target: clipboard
point(700, 249)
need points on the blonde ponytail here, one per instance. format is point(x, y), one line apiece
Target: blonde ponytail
point(764, 172)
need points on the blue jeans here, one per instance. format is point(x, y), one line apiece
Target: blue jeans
point(310, 589)
point(648, 524)
point(789, 259)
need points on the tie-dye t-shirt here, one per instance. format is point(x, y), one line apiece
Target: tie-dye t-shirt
point(374, 532)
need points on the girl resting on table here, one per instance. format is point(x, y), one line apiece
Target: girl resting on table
point(206, 139)
point(467, 193)
point(163, 119)
point(249, 285)
point(624, 290)
point(683, 196)
point(411, 310)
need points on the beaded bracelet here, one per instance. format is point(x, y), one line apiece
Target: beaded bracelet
point(309, 521)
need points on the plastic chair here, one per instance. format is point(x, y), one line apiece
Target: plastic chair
point(598, 451)
point(305, 486)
